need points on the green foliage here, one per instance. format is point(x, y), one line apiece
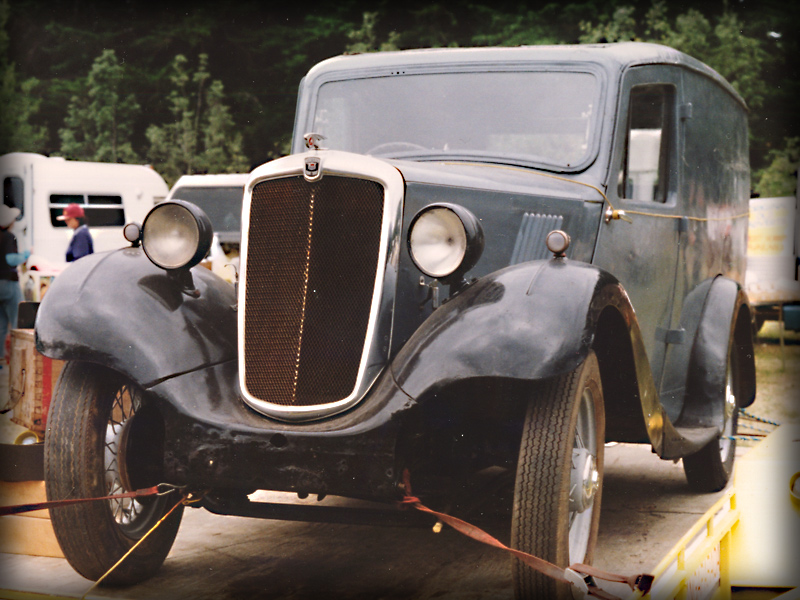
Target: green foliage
point(261, 54)
point(513, 29)
point(724, 46)
point(202, 138)
point(18, 104)
point(98, 125)
point(692, 32)
point(221, 139)
point(740, 59)
point(365, 39)
point(433, 26)
point(780, 177)
point(620, 26)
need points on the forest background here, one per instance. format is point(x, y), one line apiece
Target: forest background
point(207, 87)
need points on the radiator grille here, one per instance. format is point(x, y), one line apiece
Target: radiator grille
point(312, 259)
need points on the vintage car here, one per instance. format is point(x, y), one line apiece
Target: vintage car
point(474, 260)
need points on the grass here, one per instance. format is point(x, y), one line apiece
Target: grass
point(778, 375)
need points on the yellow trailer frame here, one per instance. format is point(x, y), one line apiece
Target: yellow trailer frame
point(747, 545)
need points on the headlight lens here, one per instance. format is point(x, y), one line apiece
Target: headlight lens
point(438, 242)
point(445, 241)
point(176, 235)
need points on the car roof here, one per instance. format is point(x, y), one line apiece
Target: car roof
point(214, 180)
point(616, 56)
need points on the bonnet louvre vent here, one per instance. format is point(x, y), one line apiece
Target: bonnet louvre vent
point(530, 243)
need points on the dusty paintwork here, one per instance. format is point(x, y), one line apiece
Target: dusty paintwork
point(647, 173)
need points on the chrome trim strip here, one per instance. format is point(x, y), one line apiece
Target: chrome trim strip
point(375, 355)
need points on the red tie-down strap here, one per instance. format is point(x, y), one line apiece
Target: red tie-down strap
point(160, 489)
point(571, 575)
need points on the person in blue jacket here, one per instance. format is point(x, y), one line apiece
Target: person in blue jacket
point(81, 243)
point(10, 291)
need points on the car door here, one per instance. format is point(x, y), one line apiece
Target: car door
point(642, 249)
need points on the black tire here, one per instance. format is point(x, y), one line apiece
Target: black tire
point(710, 469)
point(103, 438)
point(564, 424)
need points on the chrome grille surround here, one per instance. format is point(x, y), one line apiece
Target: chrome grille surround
point(374, 355)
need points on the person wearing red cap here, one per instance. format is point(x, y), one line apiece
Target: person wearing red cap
point(81, 243)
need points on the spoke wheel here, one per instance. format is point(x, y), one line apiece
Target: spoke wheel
point(710, 469)
point(559, 478)
point(104, 439)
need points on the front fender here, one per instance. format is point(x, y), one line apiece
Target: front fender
point(534, 321)
point(119, 310)
point(529, 321)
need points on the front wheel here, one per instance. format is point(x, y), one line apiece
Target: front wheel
point(556, 509)
point(102, 439)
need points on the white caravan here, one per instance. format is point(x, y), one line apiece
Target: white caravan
point(40, 187)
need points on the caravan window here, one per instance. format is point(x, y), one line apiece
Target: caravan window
point(101, 210)
point(13, 189)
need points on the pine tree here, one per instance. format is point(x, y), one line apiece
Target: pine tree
point(203, 137)
point(222, 142)
point(98, 125)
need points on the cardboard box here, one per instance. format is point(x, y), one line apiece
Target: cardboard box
point(32, 381)
point(27, 533)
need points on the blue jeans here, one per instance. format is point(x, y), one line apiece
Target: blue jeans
point(10, 297)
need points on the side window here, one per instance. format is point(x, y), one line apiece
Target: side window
point(105, 211)
point(100, 211)
point(13, 193)
point(645, 168)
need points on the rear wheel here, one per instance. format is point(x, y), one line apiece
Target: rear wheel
point(559, 478)
point(104, 439)
point(710, 469)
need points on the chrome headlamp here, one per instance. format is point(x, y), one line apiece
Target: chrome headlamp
point(176, 235)
point(445, 241)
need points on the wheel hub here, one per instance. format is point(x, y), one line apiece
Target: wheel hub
point(584, 480)
point(122, 442)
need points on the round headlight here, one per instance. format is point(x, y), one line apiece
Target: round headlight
point(176, 235)
point(445, 240)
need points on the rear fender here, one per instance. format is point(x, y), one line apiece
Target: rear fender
point(724, 328)
point(119, 310)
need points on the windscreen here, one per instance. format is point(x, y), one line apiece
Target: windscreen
point(528, 117)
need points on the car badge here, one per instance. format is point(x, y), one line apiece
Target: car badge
point(313, 168)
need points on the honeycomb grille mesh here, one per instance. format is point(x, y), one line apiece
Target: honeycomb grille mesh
point(312, 259)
